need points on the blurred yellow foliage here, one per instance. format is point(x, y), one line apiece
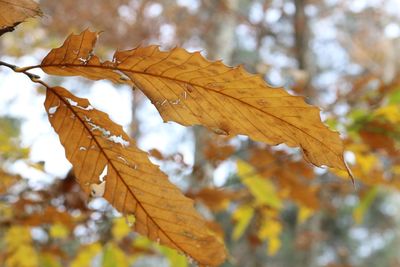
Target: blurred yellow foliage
point(242, 216)
point(390, 112)
point(19, 248)
point(364, 204)
point(113, 256)
point(261, 188)
point(304, 213)
point(16, 236)
point(86, 255)
point(24, 256)
point(175, 259)
point(120, 228)
point(49, 260)
point(59, 231)
point(270, 231)
point(6, 211)
point(274, 244)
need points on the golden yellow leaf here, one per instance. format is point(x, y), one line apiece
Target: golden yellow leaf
point(58, 230)
point(293, 177)
point(390, 112)
point(20, 252)
point(368, 168)
point(174, 258)
point(304, 213)
point(107, 163)
point(188, 89)
point(270, 230)
point(17, 235)
point(242, 216)
point(120, 228)
point(365, 160)
point(86, 255)
point(274, 244)
point(13, 12)
point(24, 256)
point(113, 256)
point(142, 242)
point(261, 188)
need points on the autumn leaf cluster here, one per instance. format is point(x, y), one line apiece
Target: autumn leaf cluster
point(188, 89)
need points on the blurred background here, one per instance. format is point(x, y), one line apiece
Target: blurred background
point(271, 207)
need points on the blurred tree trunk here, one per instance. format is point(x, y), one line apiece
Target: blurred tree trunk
point(302, 36)
point(220, 44)
point(137, 99)
point(302, 53)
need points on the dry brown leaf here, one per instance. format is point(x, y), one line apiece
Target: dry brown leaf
point(133, 185)
point(50, 215)
point(292, 177)
point(218, 149)
point(376, 135)
point(13, 12)
point(156, 154)
point(214, 198)
point(188, 89)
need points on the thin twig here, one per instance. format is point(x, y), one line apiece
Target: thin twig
point(24, 69)
point(33, 77)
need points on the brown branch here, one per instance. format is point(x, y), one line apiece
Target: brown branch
point(33, 77)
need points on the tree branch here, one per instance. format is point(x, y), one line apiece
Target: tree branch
point(33, 77)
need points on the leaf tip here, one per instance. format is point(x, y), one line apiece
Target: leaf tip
point(350, 174)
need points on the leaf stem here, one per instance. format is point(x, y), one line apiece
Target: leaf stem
point(33, 77)
point(24, 69)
